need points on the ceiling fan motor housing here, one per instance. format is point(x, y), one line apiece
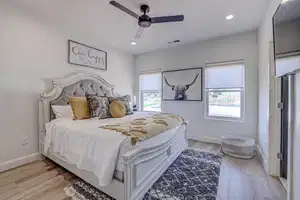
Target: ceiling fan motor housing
point(144, 21)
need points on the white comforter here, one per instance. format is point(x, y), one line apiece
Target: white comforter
point(87, 146)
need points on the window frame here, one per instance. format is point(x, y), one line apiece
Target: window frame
point(241, 90)
point(141, 92)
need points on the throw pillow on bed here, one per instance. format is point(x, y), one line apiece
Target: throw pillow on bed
point(124, 99)
point(62, 111)
point(117, 109)
point(99, 106)
point(79, 107)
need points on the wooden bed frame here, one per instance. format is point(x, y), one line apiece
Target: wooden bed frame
point(143, 166)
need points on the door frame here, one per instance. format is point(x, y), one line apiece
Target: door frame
point(274, 138)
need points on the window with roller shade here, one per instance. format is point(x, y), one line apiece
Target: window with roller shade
point(150, 92)
point(225, 90)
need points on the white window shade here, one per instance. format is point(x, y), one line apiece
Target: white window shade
point(223, 77)
point(150, 82)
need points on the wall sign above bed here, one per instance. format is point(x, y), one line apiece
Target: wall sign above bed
point(182, 85)
point(83, 55)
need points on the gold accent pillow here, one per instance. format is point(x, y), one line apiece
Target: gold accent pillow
point(80, 108)
point(117, 109)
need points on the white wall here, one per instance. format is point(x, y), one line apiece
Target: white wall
point(295, 173)
point(240, 46)
point(31, 52)
point(265, 36)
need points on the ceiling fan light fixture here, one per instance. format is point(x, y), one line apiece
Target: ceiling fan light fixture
point(144, 24)
point(133, 43)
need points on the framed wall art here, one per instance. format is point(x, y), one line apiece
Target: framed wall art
point(83, 55)
point(182, 85)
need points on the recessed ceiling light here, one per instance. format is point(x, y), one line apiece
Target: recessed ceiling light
point(284, 1)
point(133, 43)
point(229, 17)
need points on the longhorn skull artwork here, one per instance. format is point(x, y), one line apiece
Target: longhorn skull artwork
point(180, 90)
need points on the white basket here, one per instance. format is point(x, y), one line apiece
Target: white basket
point(238, 147)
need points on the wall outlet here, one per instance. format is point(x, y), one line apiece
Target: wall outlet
point(25, 141)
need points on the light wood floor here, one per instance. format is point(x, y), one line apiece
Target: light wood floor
point(243, 179)
point(239, 180)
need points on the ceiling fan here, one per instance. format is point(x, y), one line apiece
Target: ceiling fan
point(144, 21)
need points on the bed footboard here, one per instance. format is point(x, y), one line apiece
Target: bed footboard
point(143, 167)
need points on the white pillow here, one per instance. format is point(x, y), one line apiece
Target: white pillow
point(62, 111)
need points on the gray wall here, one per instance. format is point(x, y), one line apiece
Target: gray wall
point(240, 46)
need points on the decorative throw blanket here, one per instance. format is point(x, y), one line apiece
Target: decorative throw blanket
point(141, 129)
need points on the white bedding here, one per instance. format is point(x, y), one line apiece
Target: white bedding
point(87, 146)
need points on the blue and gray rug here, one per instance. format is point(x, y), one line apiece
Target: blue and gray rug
point(193, 176)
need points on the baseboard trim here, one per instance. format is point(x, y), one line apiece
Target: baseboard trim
point(208, 139)
point(19, 161)
point(262, 158)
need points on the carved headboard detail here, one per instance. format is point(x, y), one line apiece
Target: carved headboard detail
point(77, 84)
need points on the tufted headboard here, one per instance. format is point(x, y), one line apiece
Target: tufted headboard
point(77, 84)
point(81, 88)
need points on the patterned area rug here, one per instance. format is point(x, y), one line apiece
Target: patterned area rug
point(193, 176)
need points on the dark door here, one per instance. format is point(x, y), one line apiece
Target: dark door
point(284, 126)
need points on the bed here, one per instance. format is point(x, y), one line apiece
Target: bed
point(133, 169)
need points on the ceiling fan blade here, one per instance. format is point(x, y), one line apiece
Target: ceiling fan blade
point(139, 33)
point(124, 9)
point(175, 18)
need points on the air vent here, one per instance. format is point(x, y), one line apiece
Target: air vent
point(174, 42)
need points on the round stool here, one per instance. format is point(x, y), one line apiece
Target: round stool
point(238, 147)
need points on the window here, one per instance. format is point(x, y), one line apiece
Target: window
point(224, 88)
point(150, 92)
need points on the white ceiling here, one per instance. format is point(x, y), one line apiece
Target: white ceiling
point(100, 21)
